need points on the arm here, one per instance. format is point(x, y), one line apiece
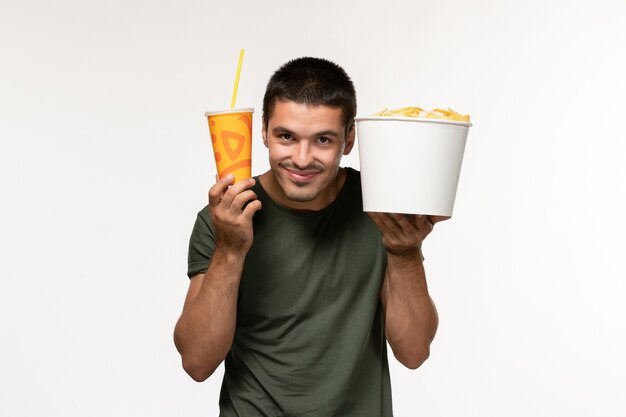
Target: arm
point(410, 314)
point(205, 330)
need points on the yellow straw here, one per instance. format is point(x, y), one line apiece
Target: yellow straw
point(232, 102)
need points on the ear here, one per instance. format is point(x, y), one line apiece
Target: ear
point(350, 137)
point(264, 133)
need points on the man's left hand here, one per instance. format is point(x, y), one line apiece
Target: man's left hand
point(403, 233)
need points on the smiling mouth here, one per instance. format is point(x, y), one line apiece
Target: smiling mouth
point(301, 176)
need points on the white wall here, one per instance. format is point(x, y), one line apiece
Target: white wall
point(105, 159)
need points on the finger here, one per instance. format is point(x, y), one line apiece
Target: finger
point(423, 225)
point(416, 225)
point(235, 190)
point(242, 198)
point(409, 221)
point(422, 221)
point(399, 232)
point(252, 208)
point(437, 219)
point(219, 188)
point(387, 223)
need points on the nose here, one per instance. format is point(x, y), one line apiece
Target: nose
point(302, 156)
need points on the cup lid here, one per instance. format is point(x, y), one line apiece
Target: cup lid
point(214, 112)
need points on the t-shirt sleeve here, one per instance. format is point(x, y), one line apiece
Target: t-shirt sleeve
point(201, 244)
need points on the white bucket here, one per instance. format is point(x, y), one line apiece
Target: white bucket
point(410, 165)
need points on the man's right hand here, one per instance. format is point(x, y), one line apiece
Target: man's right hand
point(233, 222)
point(206, 328)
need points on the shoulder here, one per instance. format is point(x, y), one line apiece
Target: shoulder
point(205, 213)
point(353, 181)
point(203, 219)
point(352, 174)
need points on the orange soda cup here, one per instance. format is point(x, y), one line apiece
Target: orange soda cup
point(231, 136)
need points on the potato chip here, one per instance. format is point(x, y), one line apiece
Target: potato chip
point(454, 115)
point(428, 114)
point(442, 112)
point(405, 111)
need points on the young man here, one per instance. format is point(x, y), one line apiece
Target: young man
point(292, 284)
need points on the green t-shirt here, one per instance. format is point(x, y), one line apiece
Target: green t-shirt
point(310, 333)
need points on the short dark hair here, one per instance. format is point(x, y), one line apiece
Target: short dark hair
point(311, 81)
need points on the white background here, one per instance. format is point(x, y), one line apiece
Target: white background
point(105, 160)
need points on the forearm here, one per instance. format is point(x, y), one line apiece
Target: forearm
point(410, 314)
point(205, 331)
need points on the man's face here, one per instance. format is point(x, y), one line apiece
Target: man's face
point(305, 145)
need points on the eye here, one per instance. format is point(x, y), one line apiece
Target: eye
point(323, 139)
point(285, 136)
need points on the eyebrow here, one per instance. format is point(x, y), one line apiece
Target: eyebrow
point(281, 129)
